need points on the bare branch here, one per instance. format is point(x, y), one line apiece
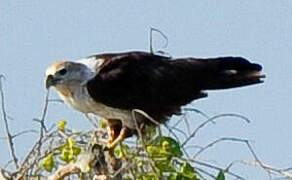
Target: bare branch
point(204, 172)
point(24, 132)
point(5, 119)
point(138, 128)
point(234, 140)
point(197, 111)
point(213, 167)
point(56, 100)
point(170, 131)
point(44, 113)
point(4, 175)
point(140, 133)
point(25, 165)
point(269, 168)
point(92, 119)
point(64, 171)
point(212, 120)
point(43, 128)
point(217, 141)
point(151, 39)
point(145, 115)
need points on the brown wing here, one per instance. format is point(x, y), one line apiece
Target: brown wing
point(138, 80)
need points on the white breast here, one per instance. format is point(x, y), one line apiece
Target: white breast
point(82, 101)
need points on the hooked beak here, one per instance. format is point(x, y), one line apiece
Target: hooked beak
point(50, 81)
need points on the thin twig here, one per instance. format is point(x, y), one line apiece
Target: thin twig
point(204, 172)
point(8, 134)
point(44, 113)
point(151, 38)
point(212, 120)
point(92, 120)
point(138, 128)
point(24, 132)
point(152, 165)
point(56, 100)
point(176, 137)
point(171, 132)
point(217, 141)
point(182, 119)
point(43, 128)
point(197, 111)
point(213, 167)
point(4, 175)
point(145, 115)
point(25, 164)
point(234, 140)
point(270, 168)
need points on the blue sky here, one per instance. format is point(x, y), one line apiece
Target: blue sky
point(33, 34)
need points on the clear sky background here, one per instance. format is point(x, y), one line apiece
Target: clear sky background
point(34, 33)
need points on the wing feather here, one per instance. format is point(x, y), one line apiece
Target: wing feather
point(139, 80)
point(160, 85)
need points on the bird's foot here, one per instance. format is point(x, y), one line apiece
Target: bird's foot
point(114, 141)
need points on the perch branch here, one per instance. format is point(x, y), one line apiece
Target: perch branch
point(64, 171)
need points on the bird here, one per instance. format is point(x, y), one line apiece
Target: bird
point(112, 85)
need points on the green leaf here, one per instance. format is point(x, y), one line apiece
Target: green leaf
point(69, 151)
point(172, 176)
point(121, 151)
point(103, 123)
point(178, 176)
point(76, 150)
point(155, 151)
point(150, 132)
point(71, 142)
point(125, 149)
point(187, 172)
point(118, 152)
point(67, 155)
point(48, 162)
point(164, 147)
point(148, 176)
point(165, 165)
point(62, 125)
point(220, 176)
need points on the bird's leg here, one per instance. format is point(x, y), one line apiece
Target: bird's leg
point(117, 132)
point(121, 136)
point(111, 135)
point(114, 129)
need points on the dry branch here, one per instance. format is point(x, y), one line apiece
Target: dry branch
point(64, 171)
point(7, 130)
point(269, 168)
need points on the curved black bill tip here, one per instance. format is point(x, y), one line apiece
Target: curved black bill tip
point(50, 81)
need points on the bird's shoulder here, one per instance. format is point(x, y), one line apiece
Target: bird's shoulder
point(109, 61)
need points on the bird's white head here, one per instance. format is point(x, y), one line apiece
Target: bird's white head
point(65, 75)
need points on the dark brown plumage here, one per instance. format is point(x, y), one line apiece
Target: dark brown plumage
point(160, 85)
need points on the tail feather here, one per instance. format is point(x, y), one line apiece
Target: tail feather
point(230, 72)
point(220, 73)
point(236, 63)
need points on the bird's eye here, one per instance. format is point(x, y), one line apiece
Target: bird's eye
point(62, 72)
